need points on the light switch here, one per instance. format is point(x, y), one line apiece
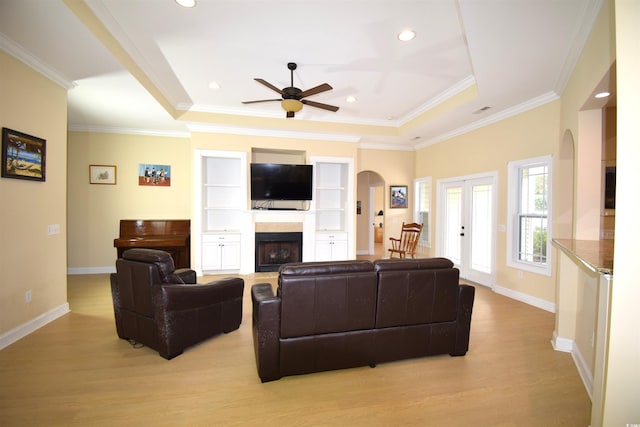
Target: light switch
point(53, 229)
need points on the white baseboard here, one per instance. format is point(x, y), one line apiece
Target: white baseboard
point(91, 270)
point(525, 298)
point(562, 344)
point(583, 370)
point(23, 330)
point(569, 346)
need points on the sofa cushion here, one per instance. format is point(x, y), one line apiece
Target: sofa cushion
point(321, 299)
point(423, 294)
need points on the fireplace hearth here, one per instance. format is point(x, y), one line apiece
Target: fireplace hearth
point(275, 249)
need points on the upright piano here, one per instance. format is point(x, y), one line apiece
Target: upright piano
point(170, 235)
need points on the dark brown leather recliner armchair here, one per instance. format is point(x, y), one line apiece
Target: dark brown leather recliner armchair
point(164, 309)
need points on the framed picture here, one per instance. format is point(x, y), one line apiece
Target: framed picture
point(23, 156)
point(102, 174)
point(154, 175)
point(398, 196)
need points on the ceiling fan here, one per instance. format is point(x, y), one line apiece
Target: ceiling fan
point(293, 98)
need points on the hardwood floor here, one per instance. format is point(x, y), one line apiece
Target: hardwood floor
point(75, 371)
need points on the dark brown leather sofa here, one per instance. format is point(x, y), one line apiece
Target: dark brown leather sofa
point(335, 315)
point(164, 309)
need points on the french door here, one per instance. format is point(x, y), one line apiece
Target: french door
point(466, 230)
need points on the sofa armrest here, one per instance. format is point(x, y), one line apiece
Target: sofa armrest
point(466, 295)
point(266, 331)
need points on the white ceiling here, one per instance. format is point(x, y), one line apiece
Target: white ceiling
point(511, 55)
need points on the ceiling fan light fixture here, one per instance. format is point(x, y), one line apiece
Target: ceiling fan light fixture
point(291, 105)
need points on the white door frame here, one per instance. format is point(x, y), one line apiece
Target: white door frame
point(489, 280)
point(371, 219)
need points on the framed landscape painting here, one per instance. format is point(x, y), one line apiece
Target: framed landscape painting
point(102, 174)
point(23, 156)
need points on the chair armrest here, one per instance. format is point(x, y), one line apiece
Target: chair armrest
point(266, 331)
point(187, 275)
point(395, 244)
point(184, 297)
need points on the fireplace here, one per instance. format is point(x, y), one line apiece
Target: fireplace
point(275, 249)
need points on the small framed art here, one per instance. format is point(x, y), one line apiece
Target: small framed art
point(154, 175)
point(102, 174)
point(398, 196)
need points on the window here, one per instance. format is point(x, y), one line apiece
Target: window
point(423, 208)
point(529, 226)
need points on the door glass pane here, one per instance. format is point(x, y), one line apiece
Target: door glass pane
point(424, 197)
point(481, 231)
point(452, 223)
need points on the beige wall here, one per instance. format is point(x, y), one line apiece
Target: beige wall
point(30, 259)
point(530, 134)
point(395, 168)
point(95, 210)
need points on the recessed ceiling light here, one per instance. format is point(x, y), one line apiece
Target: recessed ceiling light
point(351, 99)
point(186, 3)
point(406, 35)
point(602, 95)
point(214, 85)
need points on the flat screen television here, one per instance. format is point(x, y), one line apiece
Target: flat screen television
point(271, 181)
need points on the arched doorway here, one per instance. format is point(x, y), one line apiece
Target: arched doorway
point(370, 214)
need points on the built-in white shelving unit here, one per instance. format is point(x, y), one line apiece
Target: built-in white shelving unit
point(333, 206)
point(221, 205)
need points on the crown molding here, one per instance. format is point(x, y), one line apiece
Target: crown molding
point(237, 130)
point(23, 55)
point(129, 131)
point(504, 114)
point(387, 147)
point(457, 88)
point(589, 14)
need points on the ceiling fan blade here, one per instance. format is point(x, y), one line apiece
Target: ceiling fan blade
point(269, 85)
point(261, 100)
point(320, 105)
point(315, 90)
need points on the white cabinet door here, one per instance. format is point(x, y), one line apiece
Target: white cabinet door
point(221, 252)
point(211, 259)
point(331, 246)
point(230, 255)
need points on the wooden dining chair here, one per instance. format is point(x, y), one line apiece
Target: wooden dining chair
point(408, 241)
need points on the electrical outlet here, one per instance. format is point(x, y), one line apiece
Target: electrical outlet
point(520, 275)
point(27, 296)
point(53, 229)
